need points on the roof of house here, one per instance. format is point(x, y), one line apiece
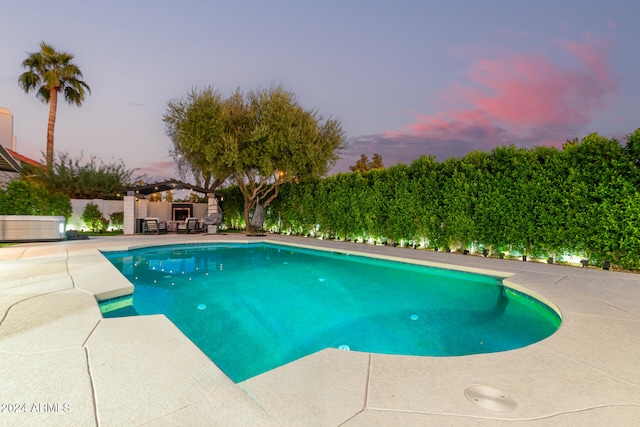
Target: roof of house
point(7, 162)
point(25, 159)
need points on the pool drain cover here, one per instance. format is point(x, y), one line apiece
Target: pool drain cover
point(490, 398)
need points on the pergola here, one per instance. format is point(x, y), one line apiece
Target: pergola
point(171, 184)
point(133, 193)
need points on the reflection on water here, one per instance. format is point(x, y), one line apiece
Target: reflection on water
point(501, 303)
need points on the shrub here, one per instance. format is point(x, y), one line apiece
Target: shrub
point(91, 179)
point(104, 224)
point(93, 218)
point(60, 205)
point(30, 198)
point(539, 202)
point(117, 220)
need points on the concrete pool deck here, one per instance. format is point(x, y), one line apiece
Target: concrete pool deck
point(62, 364)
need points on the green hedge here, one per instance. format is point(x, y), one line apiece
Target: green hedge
point(537, 202)
point(30, 198)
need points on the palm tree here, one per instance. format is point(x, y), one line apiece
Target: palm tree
point(50, 72)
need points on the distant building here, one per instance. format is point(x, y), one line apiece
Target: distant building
point(11, 162)
point(24, 159)
point(8, 139)
point(6, 128)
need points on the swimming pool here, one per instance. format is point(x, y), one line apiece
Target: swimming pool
point(253, 307)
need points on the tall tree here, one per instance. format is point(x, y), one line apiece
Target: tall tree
point(195, 124)
point(50, 72)
point(364, 165)
point(259, 140)
point(376, 163)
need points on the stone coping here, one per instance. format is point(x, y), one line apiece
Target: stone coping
point(61, 363)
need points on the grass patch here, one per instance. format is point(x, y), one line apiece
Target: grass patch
point(104, 233)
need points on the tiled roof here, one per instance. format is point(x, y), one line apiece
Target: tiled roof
point(25, 159)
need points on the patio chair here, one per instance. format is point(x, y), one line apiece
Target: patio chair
point(150, 225)
point(189, 226)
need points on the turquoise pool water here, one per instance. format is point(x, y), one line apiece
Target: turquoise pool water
point(254, 307)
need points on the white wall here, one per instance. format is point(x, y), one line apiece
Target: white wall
point(160, 210)
point(78, 205)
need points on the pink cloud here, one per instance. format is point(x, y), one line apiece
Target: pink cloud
point(156, 171)
point(519, 97)
point(462, 125)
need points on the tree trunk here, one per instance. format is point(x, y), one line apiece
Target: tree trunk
point(53, 105)
point(247, 221)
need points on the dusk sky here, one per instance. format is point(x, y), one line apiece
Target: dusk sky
point(405, 78)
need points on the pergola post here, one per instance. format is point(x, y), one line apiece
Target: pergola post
point(212, 208)
point(130, 213)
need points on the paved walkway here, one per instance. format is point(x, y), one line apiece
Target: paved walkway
point(62, 364)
